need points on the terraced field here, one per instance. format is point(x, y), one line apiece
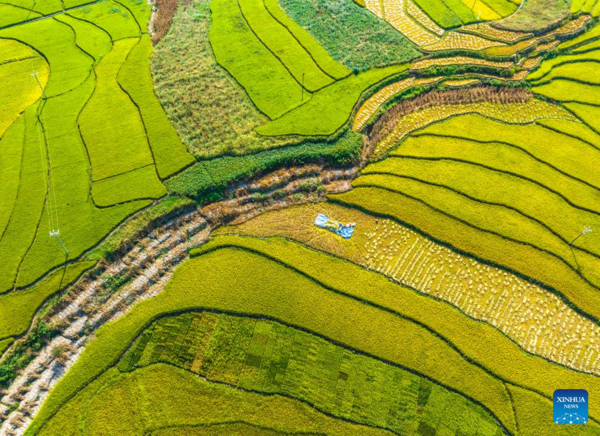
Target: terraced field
point(161, 168)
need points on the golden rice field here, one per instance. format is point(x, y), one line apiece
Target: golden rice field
point(530, 315)
point(165, 268)
point(517, 113)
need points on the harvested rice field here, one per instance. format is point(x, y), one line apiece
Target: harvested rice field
point(299, 217)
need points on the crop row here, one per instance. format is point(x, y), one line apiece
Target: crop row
point(533, 317)
point(458, 60)
point(439, 316)
point(377, 100)
point(144, 402)
point(490, 32)
point(544, 212)
point(519, 113)
point(462, 41)
point(84, 74)
point(265, 356)
point(394, 12)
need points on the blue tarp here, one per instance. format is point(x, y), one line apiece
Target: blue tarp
point(345, 231)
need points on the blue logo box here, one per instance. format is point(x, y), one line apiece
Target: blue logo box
point(570, 406)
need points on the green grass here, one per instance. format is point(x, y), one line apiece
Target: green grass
point(18, 308)
point(168, 152)
point(312, 46)
point(284, 46)
point(351, 34)
point(163, 397)
point(111, 16)
point(210, 111)
point(214, 175)
point(536, 15)
point(10, 14)
point(266, 80)
point(90, 38)
point(266, 356)
point(447, 13)
point(330, 108)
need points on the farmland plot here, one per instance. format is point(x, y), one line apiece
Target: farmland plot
point(51, 165)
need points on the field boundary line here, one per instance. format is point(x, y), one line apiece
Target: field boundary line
point(563, 297)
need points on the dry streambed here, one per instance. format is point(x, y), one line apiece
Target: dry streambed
point(148, 266)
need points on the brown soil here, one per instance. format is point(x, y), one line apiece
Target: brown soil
point(162, 17)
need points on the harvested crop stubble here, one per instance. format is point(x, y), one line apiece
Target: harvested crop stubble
point(262, 355)
point(462, 41)
point(159, 397)
point(459, 60)
point(583, 42)
point(487, 31)
point(533, 317)
point(377, 100)
point(544, 42)
point(393, 11)
point(524, 259)
point(422, 18)
point(489, 218)
point(545, 220)
point(517, 108)
point(479, 342)
point(266, 80)
point(330, 108)
point(459, 83)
